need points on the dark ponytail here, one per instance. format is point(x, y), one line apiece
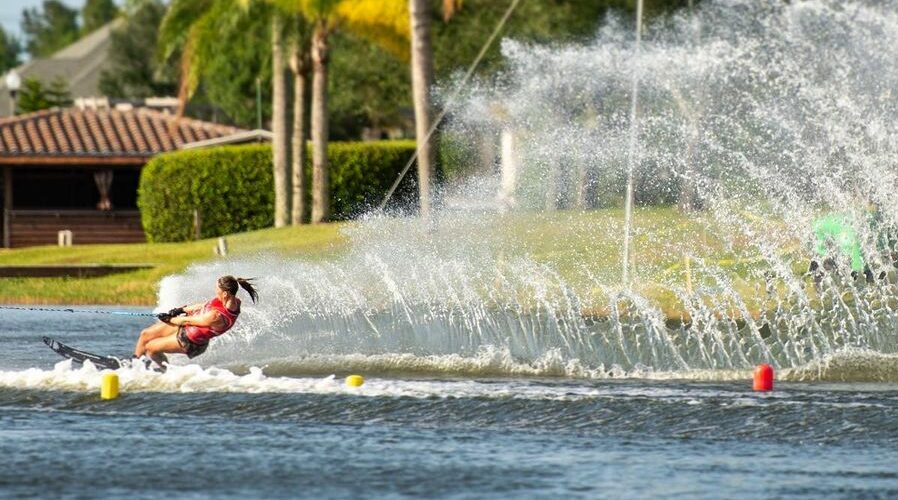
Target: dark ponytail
point(229, 284)
point(250, 289)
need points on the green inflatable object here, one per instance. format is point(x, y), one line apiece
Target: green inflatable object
point(834, 232)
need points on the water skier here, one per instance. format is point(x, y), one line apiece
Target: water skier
point(188, 329)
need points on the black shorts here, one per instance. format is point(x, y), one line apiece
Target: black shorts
point(191, 348)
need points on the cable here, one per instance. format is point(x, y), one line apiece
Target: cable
point(51, 309)
point(450, 101)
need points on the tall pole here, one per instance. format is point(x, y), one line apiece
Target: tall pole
point(258, 103)
point(634, 94)
point(7, 204)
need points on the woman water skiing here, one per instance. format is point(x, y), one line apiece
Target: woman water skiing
point(188, 330)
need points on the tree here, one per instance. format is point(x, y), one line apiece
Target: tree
point(96, 13)
point(299, 65)
point(49, 29)
point(320, 172)
point(230, 70)
point(10, 47)
point(194, 27)
point(294, 34)
point(33, 96)
point(422, 81)
point(372, 91)
point(133, 71)
point(58, 93)
point(279, 122)
point(198, 36)
point(382, 21)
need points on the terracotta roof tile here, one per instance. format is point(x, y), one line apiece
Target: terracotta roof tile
point(71, 132)
point(22, 143)
point(120, 133)
point(62, 139)
point(95, 129)
point(9, 139)
point(148, 132)
point(107, 132)
point(83, 131)
point(43, 128)
point(102, 133)
point(33, 137)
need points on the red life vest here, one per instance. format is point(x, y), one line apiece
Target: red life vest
point(203, 334)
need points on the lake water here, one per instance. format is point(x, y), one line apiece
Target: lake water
point(202, 431)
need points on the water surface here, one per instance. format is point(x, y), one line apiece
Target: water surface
point(201, 431)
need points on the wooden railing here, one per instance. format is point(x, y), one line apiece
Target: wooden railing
point(41, 227)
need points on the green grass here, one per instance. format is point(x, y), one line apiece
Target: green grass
point(140, 287)
point(583, 247)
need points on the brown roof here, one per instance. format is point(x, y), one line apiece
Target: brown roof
point(75, 135)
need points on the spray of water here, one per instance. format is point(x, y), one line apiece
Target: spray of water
point(777, 114)
point(634, 141)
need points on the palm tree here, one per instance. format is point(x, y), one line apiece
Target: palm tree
point(185, 26)
point(299, 64)
point(320, 172)
point(384, 22)
point(191, 27)
point(422, 81)
point(191, 23)
point(279, 122)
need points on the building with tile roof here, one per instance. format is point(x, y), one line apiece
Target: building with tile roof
point(120, 135)
point(78, 169)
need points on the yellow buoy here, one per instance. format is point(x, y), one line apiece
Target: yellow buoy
point(355, 381)
point(109, 386)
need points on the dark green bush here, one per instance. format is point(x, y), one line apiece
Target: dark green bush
point(233, 189)
point(362, 172)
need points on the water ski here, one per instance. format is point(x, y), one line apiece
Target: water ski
point(82, 356)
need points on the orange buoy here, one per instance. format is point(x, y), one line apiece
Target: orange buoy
point(763, 378)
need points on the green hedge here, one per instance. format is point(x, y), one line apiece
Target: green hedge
point(362, 172)
point(233, 189)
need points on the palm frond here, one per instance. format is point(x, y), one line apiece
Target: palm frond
point(176, 23)
point(383, 22)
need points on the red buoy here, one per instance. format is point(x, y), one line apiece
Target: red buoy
point(763, 378)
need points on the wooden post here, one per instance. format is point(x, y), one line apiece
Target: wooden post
point(7, 204)
point(197, 224)
point(221, 248)
point(64, 238)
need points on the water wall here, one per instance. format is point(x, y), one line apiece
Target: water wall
point(768, 127)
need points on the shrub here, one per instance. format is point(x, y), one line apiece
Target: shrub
point(233, 189)
point(362, 172)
